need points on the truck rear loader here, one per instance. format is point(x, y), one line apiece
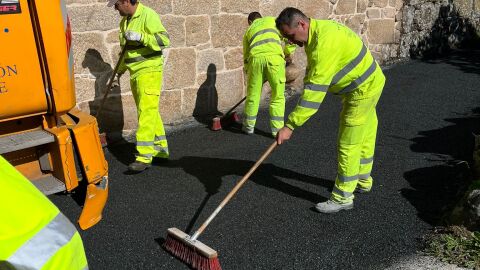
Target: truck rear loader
point(42, 133)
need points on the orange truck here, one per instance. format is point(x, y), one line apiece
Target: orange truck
point(42, 133)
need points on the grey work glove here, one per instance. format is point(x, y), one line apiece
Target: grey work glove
point(133, 36)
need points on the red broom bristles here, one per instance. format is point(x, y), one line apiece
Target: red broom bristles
point(189, 256)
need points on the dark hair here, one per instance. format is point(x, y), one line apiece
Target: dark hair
point(133, 2)
point(289, 16)
point(254, 15)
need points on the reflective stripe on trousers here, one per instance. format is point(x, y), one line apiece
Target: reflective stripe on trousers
point(356, 144)
point(49, 241)
point(261, 69)
point(151, 139)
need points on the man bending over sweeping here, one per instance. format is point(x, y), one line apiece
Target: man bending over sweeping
point(264, 59)
point(339, 63)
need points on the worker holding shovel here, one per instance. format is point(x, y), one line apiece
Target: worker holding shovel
point(144, 38)
point(264, 59)
point(338, 62)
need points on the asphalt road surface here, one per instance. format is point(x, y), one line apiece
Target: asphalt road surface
point(427, 114)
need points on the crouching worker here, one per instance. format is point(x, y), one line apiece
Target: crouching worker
point(264, 60)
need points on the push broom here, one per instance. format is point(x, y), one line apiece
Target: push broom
point(193, 252)
point(227, 119)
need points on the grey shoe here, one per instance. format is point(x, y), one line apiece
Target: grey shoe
point(138, 166)
point(332, 207)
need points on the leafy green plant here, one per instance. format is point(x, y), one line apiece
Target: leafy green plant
point(455, 245)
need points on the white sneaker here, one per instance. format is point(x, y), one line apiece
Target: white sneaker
point(332, 207)
point(247, 130)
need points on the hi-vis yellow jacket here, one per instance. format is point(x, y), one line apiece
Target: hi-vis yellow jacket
point(34, 234)
point(144, 56)
point(262, 38)
point(338, 62)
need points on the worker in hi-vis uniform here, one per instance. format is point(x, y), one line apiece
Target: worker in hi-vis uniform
point(339, 63)
point(264, 60)
point(144, 36)
point(34, 234)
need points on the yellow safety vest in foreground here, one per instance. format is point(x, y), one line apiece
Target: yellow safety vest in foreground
point(338, 62)
point(33, 232)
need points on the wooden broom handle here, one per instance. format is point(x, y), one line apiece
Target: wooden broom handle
point(110, 82)
point(234, 190)
point(236, 105)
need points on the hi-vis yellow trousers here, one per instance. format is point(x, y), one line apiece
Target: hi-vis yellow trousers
point(151, 139)
point(356, 141)
point(261, 69)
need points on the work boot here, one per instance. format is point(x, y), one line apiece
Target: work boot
point(138, 166)
point(247, 130)
point(332, 206)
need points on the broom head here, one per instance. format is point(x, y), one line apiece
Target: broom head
point(194, 253)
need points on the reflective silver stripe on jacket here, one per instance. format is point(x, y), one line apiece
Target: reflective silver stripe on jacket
point(268, 30)
point(160, 138)
point(277, 118)
point(159, 41)
point(165, 34)
point(316, 87)
point(140, 143)
point(309, 104)
point(356, 83)
point(145, 155)
point(366, 160)
point(268, 40)
point(251, 117)
point(342, 193)
point(42, 246)
point(275, 129)
point(142, 57)
point(350, 66)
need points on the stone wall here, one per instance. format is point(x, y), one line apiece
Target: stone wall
point(433, 27)
point(203, 73)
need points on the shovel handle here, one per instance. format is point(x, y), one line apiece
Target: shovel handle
point(110, 82)
point(233, 191)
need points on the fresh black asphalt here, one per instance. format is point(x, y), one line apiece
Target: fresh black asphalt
point(427, 114)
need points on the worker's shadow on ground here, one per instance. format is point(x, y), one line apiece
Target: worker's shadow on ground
point(110, 119)
point(206, 105)
point(435, 189)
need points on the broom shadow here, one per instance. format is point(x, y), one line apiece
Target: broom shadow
point(210, 171)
